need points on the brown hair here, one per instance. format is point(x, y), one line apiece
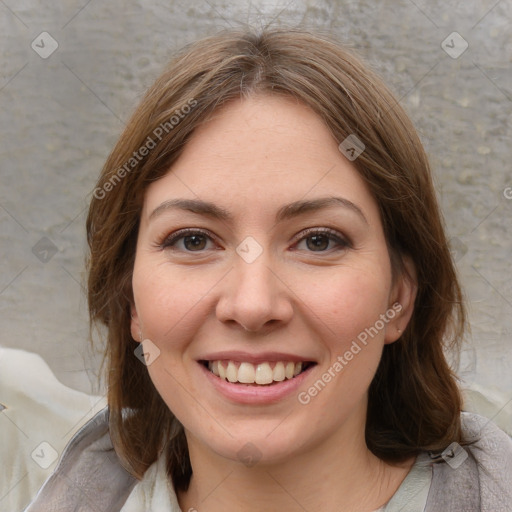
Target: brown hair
point(414, 402)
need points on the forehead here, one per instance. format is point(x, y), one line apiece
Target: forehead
point(259, 153)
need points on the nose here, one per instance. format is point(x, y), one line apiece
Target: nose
point(254, 297)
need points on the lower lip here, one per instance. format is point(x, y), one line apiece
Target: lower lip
point(255, 394)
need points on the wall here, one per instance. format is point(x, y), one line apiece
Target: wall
point(60, 116)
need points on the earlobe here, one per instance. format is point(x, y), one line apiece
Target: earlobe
point(403, 294)
point(135, 327)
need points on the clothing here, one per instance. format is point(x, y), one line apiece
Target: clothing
point(38, 417)
point(155, 491)
point(412, 494)
point(89, 477)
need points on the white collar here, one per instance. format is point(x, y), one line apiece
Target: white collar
point(153, 492)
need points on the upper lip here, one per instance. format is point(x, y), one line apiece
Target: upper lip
point(262, 357)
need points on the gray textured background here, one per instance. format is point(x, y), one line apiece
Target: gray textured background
point(60, 116)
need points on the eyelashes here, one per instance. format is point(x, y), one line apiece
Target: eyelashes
point(321, 235)
point(195, 236)
point(314, 240)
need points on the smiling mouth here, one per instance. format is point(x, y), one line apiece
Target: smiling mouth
point(262, 374)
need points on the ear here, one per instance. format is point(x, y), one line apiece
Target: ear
point(401, 300)
point(135, 325)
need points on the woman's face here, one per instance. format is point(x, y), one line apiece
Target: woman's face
point(262, 285)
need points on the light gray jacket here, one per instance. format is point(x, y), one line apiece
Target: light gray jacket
point(89, 477)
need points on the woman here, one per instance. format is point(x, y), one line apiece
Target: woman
point(268, 258)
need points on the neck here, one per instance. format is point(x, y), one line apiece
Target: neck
point(339, 474)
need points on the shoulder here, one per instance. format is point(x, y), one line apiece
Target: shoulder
point(486, 439)
point(89, 475)
point(492, 453)
point(477, 476)
point(43, 413)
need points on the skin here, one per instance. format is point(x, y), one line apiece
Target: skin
point(254, 156)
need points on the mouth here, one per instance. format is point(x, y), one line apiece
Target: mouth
point(266, 373)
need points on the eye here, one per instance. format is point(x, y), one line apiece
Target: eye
point(322, 240)
point(188, 240)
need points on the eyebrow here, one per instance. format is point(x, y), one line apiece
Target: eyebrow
point(287, 211)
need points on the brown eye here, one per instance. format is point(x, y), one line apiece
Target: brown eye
point(317, 242)
point(322, 240)
point(194, 242)
point(187, 241)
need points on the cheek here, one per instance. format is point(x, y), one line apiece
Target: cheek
point(170, 306)
point(167, 302)
point(348, 312)
point(347, 301)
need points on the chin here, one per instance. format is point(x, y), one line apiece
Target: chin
point(263, 444)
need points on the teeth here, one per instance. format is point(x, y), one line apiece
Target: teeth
point(289, 370)
point(264, 374)
point(247, 373)
point(232, 372)
point(279, 372)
